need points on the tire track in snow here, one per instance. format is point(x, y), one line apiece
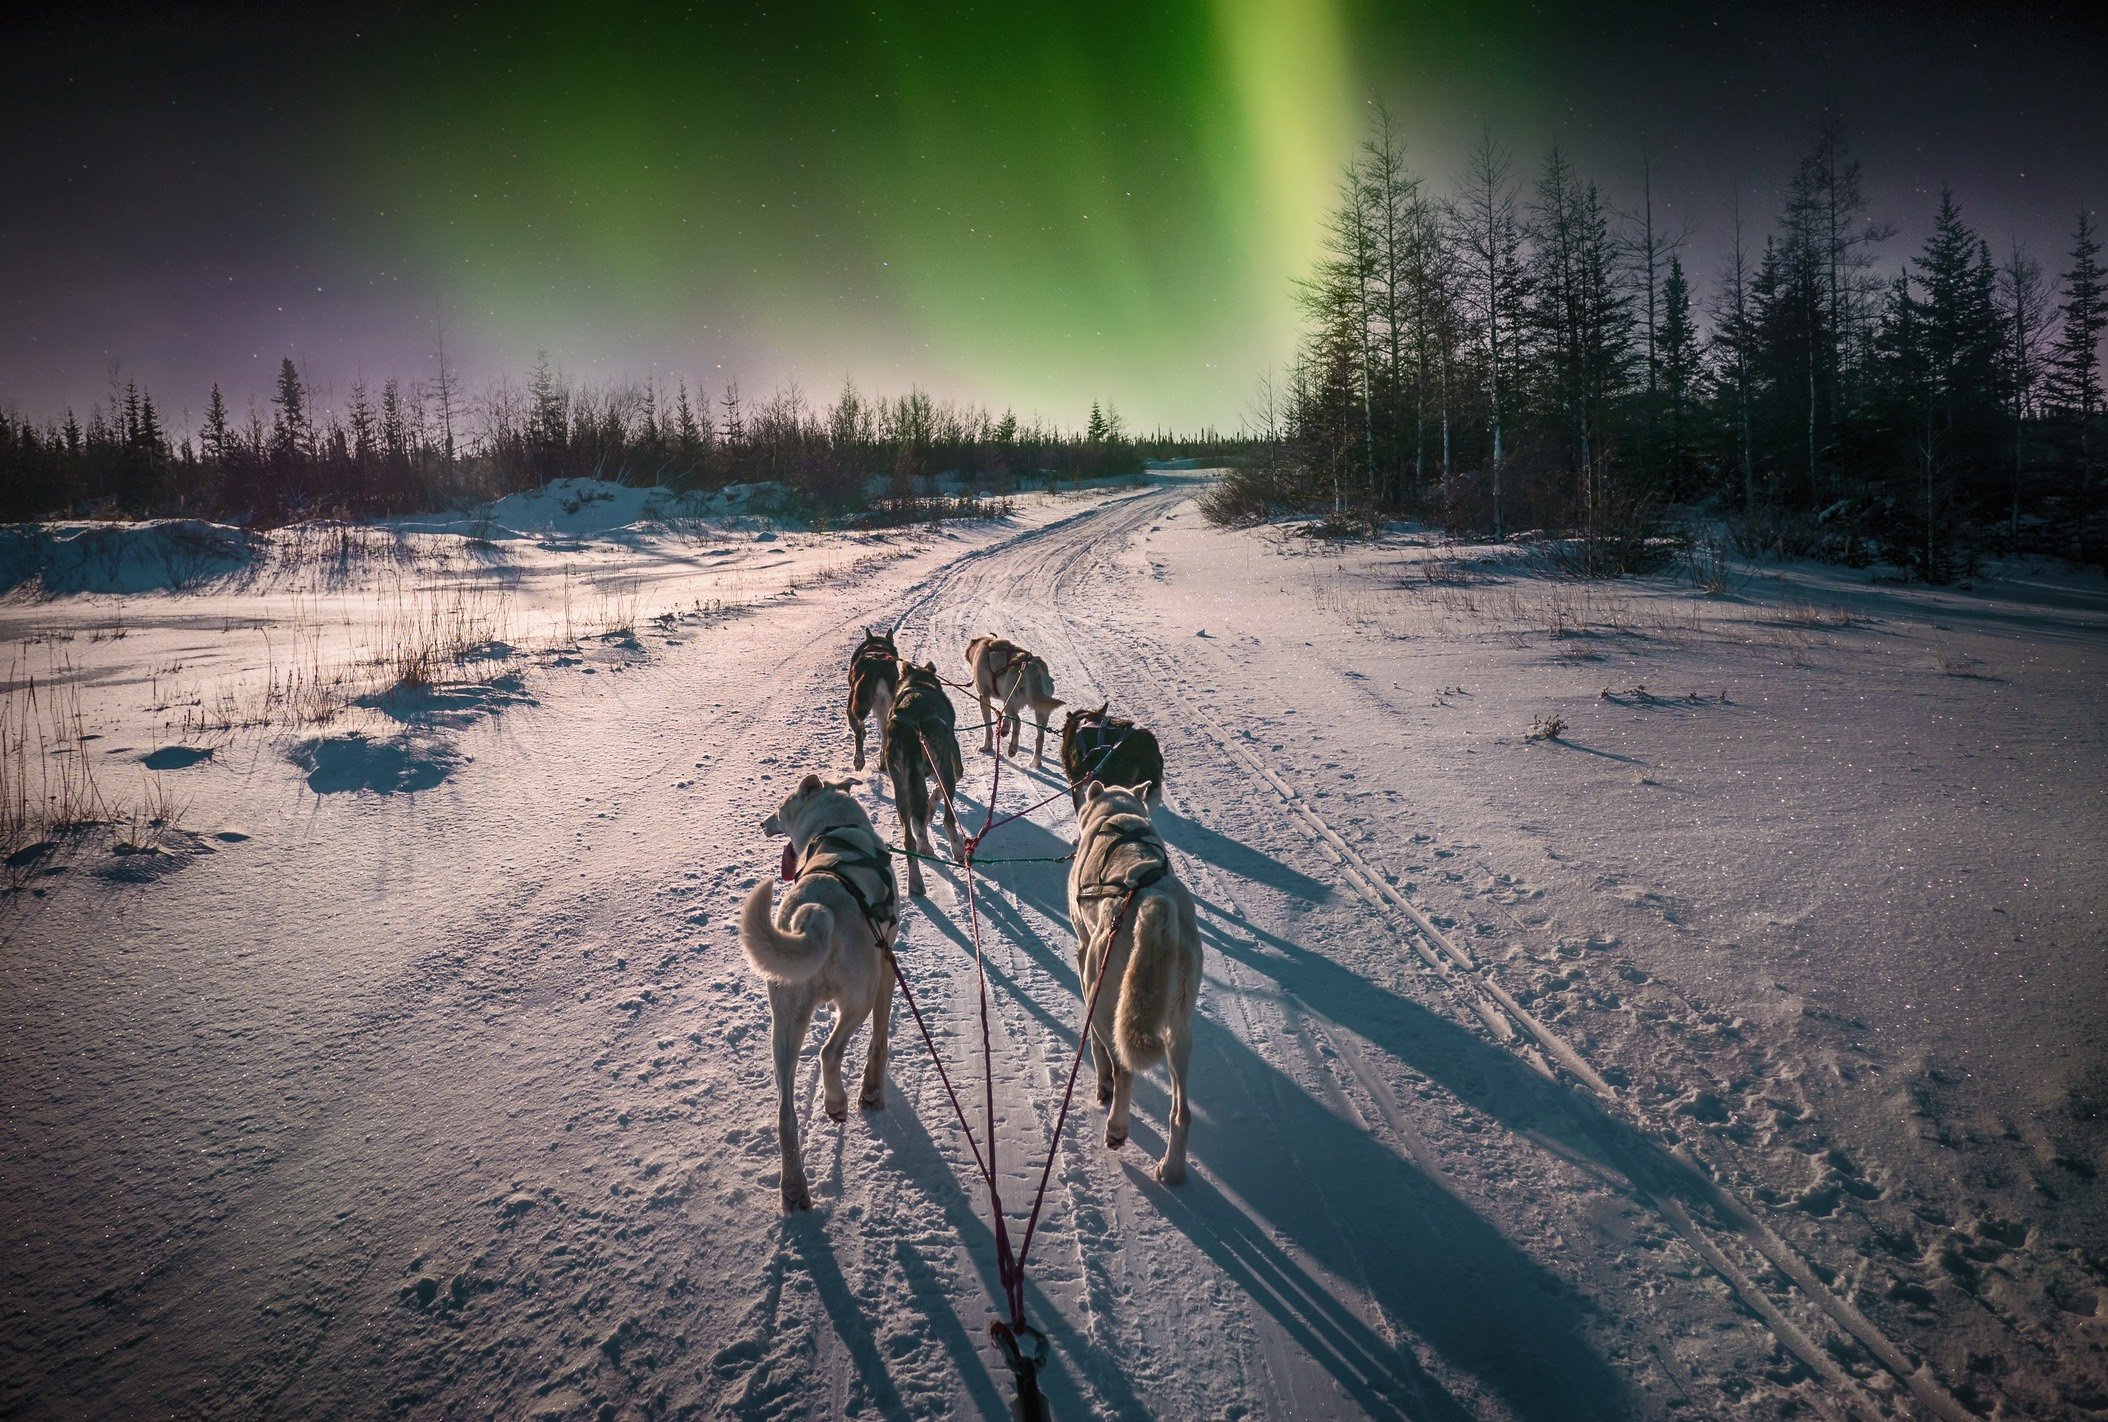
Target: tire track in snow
point(1476, 988)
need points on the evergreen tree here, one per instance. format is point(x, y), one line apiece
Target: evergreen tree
point(289, 427)
point(1676, 355)
point(1496, 286)
point(2075, 359)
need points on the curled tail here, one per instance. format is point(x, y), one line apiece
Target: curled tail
point(1154, 985)
point(787, 956)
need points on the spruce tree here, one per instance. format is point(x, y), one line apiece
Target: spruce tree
point(1676, 354)
point(2075, 359)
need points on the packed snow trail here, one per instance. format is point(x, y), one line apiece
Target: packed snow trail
point(459, 1103)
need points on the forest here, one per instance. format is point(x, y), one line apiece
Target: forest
point(1521, 354)
point(430, 444)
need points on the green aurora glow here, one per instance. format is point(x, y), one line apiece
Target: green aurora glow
point(1031, 205)
point(1038, 205)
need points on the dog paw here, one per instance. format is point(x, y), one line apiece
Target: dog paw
point(838, 1114)
point(1105, 1096)
point(1171, 1174)
point(916, 891)
point(1114, 1140)
point(796, 1199)
point(872, 1100)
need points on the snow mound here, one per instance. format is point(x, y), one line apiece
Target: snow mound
point(400, 764)
point(95, 556)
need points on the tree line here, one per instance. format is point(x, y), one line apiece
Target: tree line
point(428, 445)
point(1517, 353)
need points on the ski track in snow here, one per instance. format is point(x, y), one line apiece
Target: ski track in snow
point(459, 1104)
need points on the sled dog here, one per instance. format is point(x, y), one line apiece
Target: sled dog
point(874, 676)
point(1095, 746)
point(829, 941)
point(1134, 921)
point(1008, 677)
point(920, 743)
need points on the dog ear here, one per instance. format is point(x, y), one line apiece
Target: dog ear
point(809, 784)
point(894, 633)
point(1141, 792)
point(1093, 790)
point(930, 666)
point(868, 633)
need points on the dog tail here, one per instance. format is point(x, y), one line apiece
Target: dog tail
point(784, 955)
point(1153, 989)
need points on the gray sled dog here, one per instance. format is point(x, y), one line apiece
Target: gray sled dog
point(874, 677)
point(1150, 947)
point(830, 941)
point(921, 742)
point(1095, 746)
point(1007, 676)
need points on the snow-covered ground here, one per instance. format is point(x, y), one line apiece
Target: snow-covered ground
point(1737, 1052)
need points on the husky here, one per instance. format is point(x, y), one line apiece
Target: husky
point(1011, 678)
point(1134, 920)
point(831, 941)
point(1095, 746)
point(921, 742)
point(874, 677)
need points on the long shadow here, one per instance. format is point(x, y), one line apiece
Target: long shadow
point(815, 1250)
point(904, 1134)
point(1591, 750)
point(1192, 837)
point(1483, 1075)
point(1235, 857)
point(1437, 1270)
point(1293, 1171)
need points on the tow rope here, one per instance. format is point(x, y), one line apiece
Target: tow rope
point(1024, 1348)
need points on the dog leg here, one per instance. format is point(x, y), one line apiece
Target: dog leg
point(1039, 747)
point(908, 840)
point(790, 1014)
point(873, 1094)
point(856, 724)
point(989, 729)
point(1178, 1054)
point(882, 708)
point(1103, 1061)
point(832, 1092)
point(1116, 1123)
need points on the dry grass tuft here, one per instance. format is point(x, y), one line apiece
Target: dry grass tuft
point(47, 781)
point(1543, 729)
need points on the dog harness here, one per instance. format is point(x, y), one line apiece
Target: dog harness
point(874, 661)
point(1139, 877)
point(1097, 741)
point(847, 854)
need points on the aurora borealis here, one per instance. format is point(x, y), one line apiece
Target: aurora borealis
point(1025, 205)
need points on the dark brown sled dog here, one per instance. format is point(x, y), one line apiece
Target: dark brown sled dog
point(874, 678)
point(1111, 750)
point(922, 741)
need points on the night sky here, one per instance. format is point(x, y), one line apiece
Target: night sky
point(1019, 204)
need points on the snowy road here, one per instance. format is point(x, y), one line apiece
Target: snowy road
point(458, 1103)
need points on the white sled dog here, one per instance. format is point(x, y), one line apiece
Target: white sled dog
point(1151, 949)
point(829, 942)
point(1005, 675)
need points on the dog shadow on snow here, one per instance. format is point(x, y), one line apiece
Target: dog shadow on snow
point(1194, 838)
point(1281, 1178)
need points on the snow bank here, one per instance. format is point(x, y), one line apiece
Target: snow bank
point(598, 509)
point(87, 556)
